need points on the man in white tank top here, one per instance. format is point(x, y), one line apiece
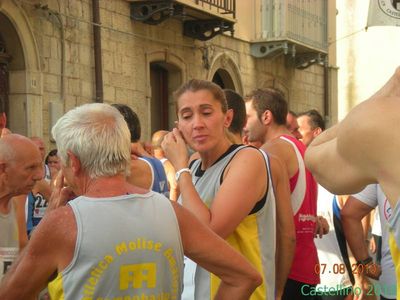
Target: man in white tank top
point(20, 168)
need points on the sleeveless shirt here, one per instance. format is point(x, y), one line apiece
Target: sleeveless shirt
point(255, 236)
point(9, 240)
point(303, 188)
point(127, 247)
point(159, 181)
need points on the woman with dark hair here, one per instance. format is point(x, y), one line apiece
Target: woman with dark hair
point(228, 188)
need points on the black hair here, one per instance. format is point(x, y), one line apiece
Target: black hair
point(316, 120)
point(236, 103)
point(132, 119)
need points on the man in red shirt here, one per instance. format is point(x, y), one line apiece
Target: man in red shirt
point(266, 122)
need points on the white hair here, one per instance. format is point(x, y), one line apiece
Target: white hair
point(98, 135)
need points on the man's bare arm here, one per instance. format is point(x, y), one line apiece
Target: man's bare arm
point(285, 230)
point(352, 214)
point(173, 185)
point(346, 180)
point(50, 249)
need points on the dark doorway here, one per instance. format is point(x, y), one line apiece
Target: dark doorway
point(13, 85)
point(223, 79)
point(159, 97)
point(165, 78)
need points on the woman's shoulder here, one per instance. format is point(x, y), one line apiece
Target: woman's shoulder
point(246, 150)
point(249, 155)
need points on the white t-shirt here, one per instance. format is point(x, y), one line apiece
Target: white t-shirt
point(329, 255)
point(373, 196)
point(377, 227)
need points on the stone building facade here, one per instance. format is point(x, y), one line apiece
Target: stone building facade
point(48, 51)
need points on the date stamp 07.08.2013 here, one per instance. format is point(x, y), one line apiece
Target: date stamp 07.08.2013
point(341, 268)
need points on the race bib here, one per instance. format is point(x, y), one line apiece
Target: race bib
point(40, 206)
point(7, 257)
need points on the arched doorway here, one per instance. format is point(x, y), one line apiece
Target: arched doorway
point(225, 72)
point(165, 78)
point(24, 94)
point(12, 62)
point(223, 79)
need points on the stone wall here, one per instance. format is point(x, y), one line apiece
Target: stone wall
point(128, 48)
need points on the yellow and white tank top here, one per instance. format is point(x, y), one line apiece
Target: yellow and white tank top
point(255, 237)
point(127, 247)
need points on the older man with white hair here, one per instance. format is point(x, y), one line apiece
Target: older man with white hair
point(115, 240)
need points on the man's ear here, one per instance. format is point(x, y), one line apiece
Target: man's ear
point(317, 131)
point(74, 162)
point(228, 118)
point(2, 167)
point(266, 117)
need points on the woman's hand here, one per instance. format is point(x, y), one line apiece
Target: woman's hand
point(175, 149)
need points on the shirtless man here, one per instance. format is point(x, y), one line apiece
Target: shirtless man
point(356, 146)
point(363, 149)
point(115, 240)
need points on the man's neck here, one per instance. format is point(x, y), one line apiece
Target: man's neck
point(274, 131)
point(108, 187)
point(235, 138)
point(137, 148)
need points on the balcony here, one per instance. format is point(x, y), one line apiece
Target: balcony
point(220, 7)
point(202, 19)
point(295, 28)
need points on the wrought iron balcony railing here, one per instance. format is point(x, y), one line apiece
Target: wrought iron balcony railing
point(202, 19)
point(223, 6)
